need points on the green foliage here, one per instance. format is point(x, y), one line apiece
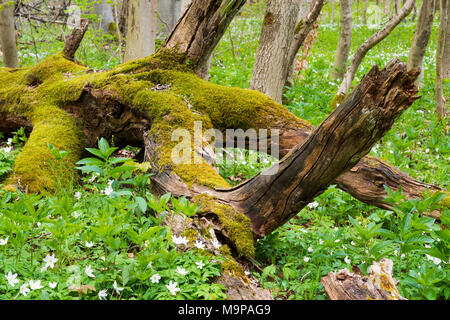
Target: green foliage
point(105, 239)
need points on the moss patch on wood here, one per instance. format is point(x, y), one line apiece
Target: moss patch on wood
point(236, 224)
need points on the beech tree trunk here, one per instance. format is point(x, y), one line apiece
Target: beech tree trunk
point(271, 63)
point(345, 39)
point(364, 14)
point(444, 13)
point(369, 44)
point(8, 35)
point(421, 36)
point(387, 5)
point(197, 41)
point(446, 57)
point(333, 10)
point(104, 11)
point(141, 31)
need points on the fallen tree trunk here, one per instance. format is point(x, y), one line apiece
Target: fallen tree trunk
point(379, 284)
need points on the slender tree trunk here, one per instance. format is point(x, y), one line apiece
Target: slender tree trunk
point(141, 33)
point(421, 37)
point(446, 57)
point(369, 44)
point(441, 107)
point(364, 15)
point(169, 12)
point(304, 27)
point(345, 39)
point(270, 68)
point(8, 35)
point(414, 12)
point(197, 42)
point(104, 11)
point(333, 10)
point(387, 5)
point(184, 5)
point(123, 18)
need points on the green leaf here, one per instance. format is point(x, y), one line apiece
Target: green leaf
point(142, 204)
point(91, 169)
point(103, 145)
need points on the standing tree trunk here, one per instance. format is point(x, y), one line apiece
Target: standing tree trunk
point(304, 27)
point(387, 5)
point(444, 12)
point(105, 14)
point(197, 41)
point(345, 39)
point(141, 31)
point(270, 68)
point(446, 58)
point(8, 34)
point(365, 47)
point(364, 14)
point(421, 37)
point(333, 10)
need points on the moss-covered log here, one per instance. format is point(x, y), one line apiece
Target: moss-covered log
point(143, 101)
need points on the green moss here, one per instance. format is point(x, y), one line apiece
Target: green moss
point(227, 107)
point(236, 224)
point(32, 166)
point(299, 26)
point(191, 235)
point(337, 100)
point(38, 92)
point(268, 18)
point(445, 203)
point(231, 266)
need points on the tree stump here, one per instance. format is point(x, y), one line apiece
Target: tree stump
point(379, 284)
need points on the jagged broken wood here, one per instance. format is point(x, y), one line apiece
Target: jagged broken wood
point(379, 284)
point(73, 41)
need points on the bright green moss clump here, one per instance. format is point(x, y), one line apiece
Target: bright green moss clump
point(236, 224)
point(161, 86)
point(337, 100)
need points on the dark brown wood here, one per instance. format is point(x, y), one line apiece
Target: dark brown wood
point(333, 148)
point(379, 284)
point(302, 31)
point(201, 27)
point(73, 41)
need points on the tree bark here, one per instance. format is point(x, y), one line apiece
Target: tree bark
point(441, 107)
point(73, 41)
point(104, 12)
point(197, 40)
point(8, 35)
point(345, 136)
point(379, 284)
point(271, 63)
point(387, 5)
point(421, 37)
point(345, 39)
point(333, 10)
point(369, 44)
point(141, 31)
point(446, 57)
point(302, 31)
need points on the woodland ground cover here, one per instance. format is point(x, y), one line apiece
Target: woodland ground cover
point(105, 233)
